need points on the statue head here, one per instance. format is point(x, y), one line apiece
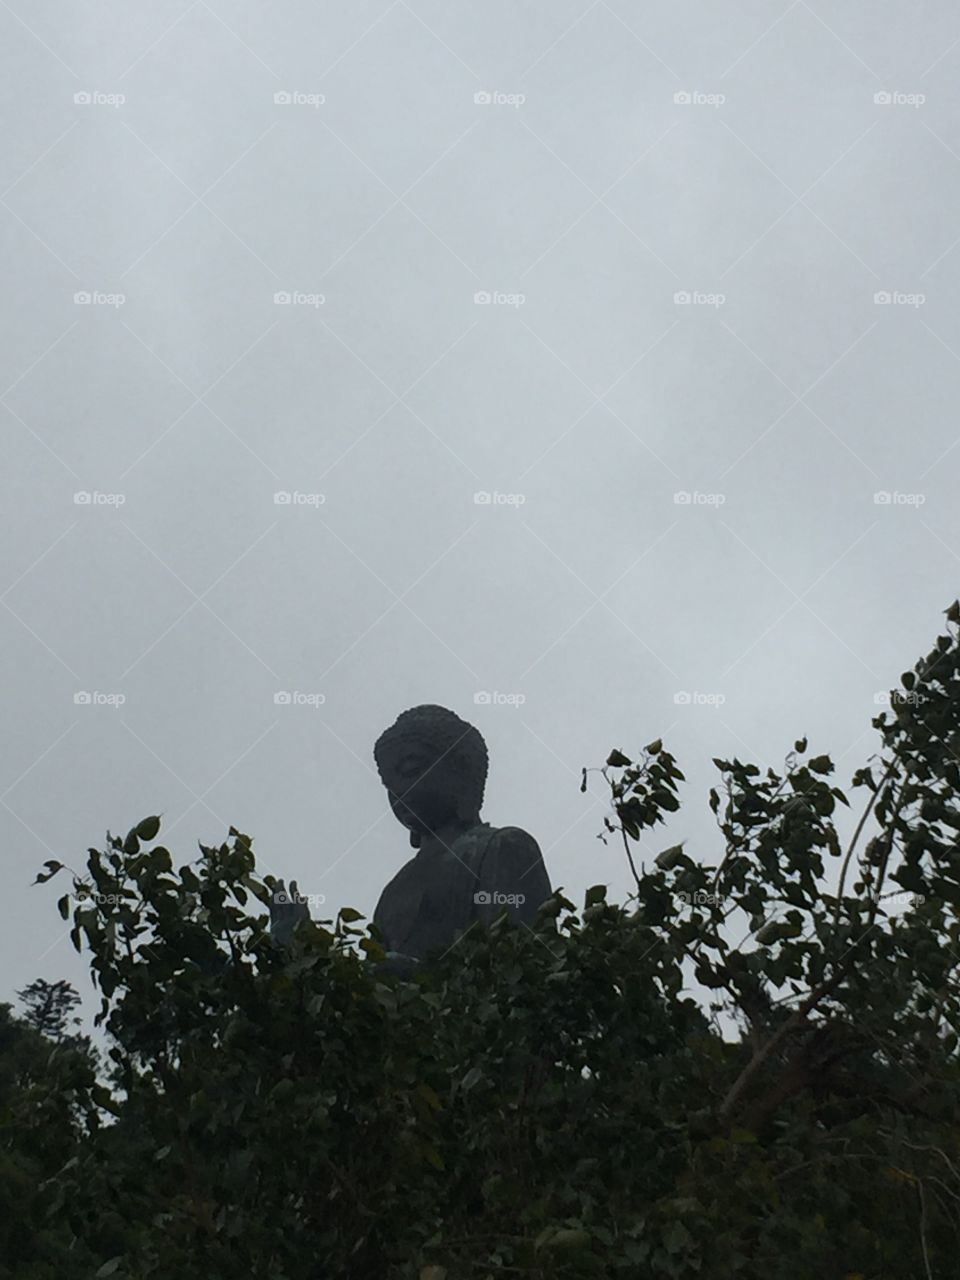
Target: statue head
point(434, 766)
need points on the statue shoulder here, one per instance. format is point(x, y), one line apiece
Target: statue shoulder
point(513, 857)
point(513, 842)
point(484, 844)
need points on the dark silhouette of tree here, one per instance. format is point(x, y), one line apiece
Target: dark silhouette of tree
point(49, 1007)
point(552, 1101)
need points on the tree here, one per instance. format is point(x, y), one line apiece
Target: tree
point(558, 1101)
point(50, 1007)
point(42, 1075)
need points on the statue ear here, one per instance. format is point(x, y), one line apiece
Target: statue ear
point(415, 839)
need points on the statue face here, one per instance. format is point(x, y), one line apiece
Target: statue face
point(423, 791)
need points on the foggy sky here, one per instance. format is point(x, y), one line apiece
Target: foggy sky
point(579, 165)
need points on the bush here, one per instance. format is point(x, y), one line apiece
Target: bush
point(551, 1102)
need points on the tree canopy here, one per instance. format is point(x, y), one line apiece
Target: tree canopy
point(747, 1069)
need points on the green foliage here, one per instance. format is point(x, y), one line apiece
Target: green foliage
point(46, 1114)
point(563, 1101)
point(50, 1007)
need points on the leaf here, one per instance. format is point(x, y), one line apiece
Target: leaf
point(820, 764)
point(617, 760)
point(596, 894)
point(189, 881)
point(655, 747)
point(103, 1098)
point(348, 914)
point(669, 857)
point(110, 1267)
point(148, 828)
point(473, 1076)
point(52, 868)
point(63, 905)
point(676, 1237)
point(430, 1097)
point(567, 1238)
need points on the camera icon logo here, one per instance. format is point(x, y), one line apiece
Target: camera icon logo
point(681, 298)
point(482, 98)
point(482, 298)
point(82, 698)
point(482, 498)
point(82, 299)
point(883, 98)
point(482, 897)
point(482, 698)
point(882, 499)
point(283, 98)
point(281, 299)
point(682, 498)
point(882, 298)
point(282, 498)
point(81, 498)
point(82, 99)
point(281, 698)
point(682, 698)
point(682, 98)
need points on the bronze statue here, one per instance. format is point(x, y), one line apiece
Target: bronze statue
point(465, 872)
point(434, 766)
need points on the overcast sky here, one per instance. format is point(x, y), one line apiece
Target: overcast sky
point(674, 285)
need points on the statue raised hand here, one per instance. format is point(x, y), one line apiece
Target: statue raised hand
point(286, 912)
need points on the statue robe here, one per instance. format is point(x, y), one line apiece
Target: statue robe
point(436, 896)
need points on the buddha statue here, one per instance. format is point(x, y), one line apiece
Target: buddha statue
point(464, 871)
